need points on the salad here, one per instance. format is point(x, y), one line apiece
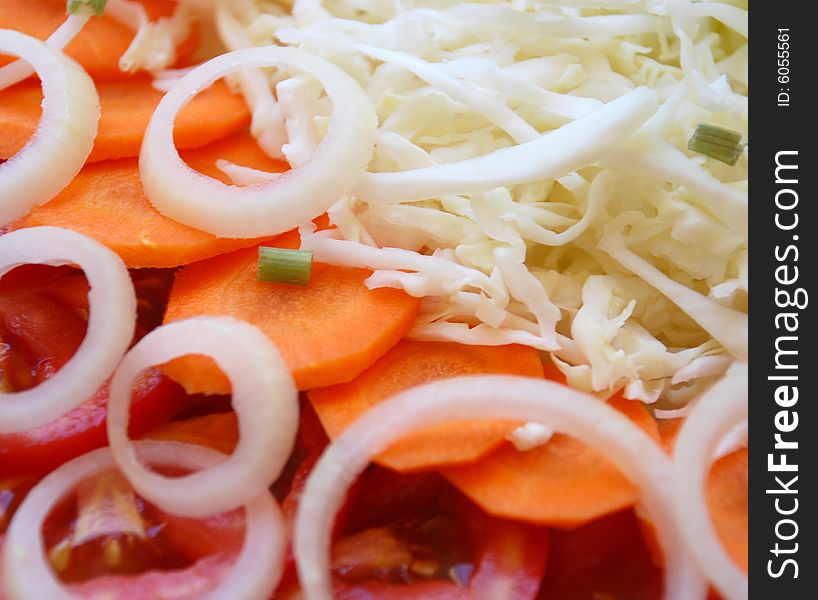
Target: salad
point(373, 299)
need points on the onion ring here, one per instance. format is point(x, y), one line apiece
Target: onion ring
point(27, 573)
point(64, 137)
point(718, 411)
point(489, 397)
point(295, 197)
point(20, 69)
point(264, 397)
point(111, 321)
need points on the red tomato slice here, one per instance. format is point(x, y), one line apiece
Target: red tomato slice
point(606, 558)
point(415, 537)
point(38, 451)
point(43, 314)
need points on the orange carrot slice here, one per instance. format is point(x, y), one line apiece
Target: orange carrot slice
point(727, 498)
point(563, 483)
point(126, 108)
point(726, 493)
point(413, 363)
point(328, 331)
point(106, 202)
point(101, 42)
point(219, 431)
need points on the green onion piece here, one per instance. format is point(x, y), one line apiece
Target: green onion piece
point(722, 144)
point(284, 266)
point(80, 6)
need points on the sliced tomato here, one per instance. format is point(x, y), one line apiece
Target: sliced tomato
point(606, 558)
point(43, 317)
point(109, 543)
point(415, 536)
point(37, 451)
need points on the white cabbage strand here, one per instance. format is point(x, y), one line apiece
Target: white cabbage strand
point(572, 146)
point(267, 125)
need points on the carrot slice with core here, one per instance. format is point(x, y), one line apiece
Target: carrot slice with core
point(563, 483)
point(413, 363)
point(126, 108)
point(328, 331)
point(106, 202)
point(101, 42)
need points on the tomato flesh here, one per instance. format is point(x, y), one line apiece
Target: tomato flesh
point(606, 558)
point(415, 536)
point(43, 312)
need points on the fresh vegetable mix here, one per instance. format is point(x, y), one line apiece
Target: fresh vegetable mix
point(438, 248)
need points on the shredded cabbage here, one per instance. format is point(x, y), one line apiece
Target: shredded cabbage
point(531, 179)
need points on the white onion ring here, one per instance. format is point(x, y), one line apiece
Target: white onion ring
point(64, 137)
point(27, 573)
point(489, 397)
point(264, 397)
point(719, 410)
point(296, 196)
point(20, 69)
point(111, 320)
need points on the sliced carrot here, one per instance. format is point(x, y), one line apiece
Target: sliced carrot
point(726, 493)
point(328, 331)
point(219, 431)
point(727, 497)
point(101, 42)
point(127, 107)
point(106, 202)
point(563, 483)
point(413, 363)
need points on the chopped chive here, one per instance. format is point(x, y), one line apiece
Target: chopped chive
point(722, 144)
point(284, 266)
point(78, 6)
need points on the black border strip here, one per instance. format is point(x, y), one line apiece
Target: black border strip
point(783, 261)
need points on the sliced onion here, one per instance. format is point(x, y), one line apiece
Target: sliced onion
point(264, 397)
point(64, 136)
point(489, 397)
point(27, 574)
point(296, 196)
point(20, 69)
point(719, 410)
point(568, 148)
point(111, 320)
